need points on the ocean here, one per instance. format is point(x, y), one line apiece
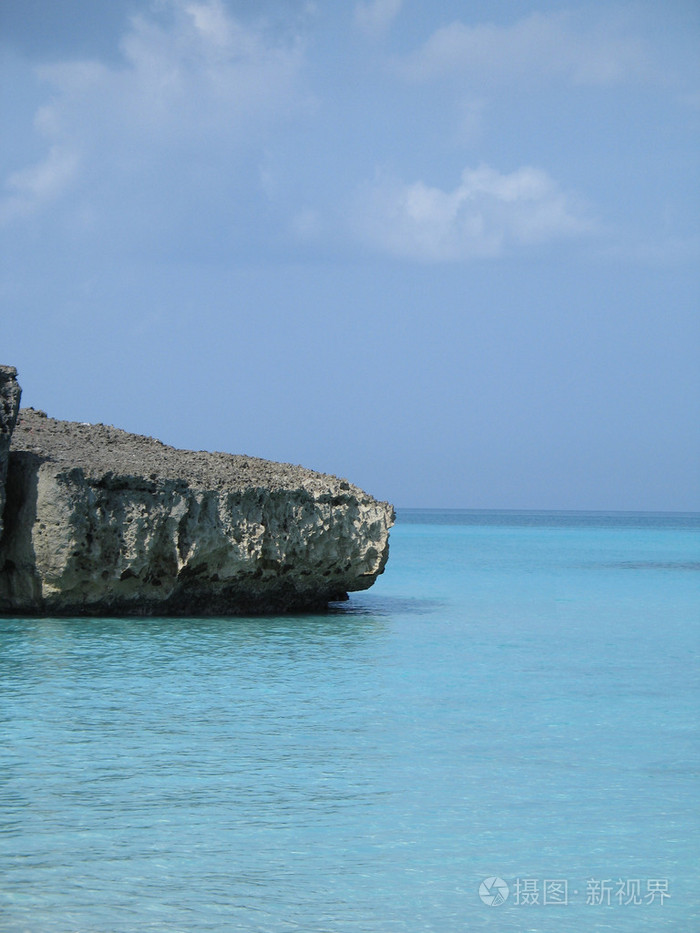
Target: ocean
point(502, 734)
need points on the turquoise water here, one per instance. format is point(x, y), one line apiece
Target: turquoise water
point(516, 698)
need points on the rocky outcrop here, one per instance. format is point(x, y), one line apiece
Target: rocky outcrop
point(9, 406)
point(99, 522)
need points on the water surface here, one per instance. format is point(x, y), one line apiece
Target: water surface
point(516, 698)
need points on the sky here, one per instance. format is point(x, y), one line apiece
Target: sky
point(448, 250)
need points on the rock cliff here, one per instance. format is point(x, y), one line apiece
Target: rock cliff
point(9, 406)
point(99, 521)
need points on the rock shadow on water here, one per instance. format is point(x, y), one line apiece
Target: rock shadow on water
point(388, 606)
point(342, 626)
point(159, 636)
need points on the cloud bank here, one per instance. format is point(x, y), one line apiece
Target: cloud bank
point(206, 137)
point(186, 111)
point(535, 47)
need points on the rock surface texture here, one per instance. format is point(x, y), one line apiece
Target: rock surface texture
point(9, 407)
point(99, 522)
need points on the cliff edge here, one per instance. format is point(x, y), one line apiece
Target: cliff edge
point(102, 522)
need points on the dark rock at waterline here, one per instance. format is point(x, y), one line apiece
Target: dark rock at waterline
point(10, 393)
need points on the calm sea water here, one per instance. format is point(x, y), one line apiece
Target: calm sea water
point(515, 699)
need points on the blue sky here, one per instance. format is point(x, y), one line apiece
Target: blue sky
point(449, 250)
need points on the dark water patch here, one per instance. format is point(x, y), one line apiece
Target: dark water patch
point(550, 519)
point(691, 565)
point(389, 606)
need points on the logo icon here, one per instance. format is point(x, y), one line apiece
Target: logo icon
point(493, 892)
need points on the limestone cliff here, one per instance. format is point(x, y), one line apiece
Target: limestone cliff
point(99, 521)
point(9, 406)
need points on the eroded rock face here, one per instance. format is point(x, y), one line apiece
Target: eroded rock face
point(10, 393)
point(100, 522)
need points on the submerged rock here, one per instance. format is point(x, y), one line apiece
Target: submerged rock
point(10, 393)
point(99, 521)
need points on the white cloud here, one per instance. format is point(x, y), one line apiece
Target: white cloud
point(204, 69)
point(486, 214)
point(541, 45)
point(376, 16)
point(195, 95)
point(31, 188)
point(211, 21)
